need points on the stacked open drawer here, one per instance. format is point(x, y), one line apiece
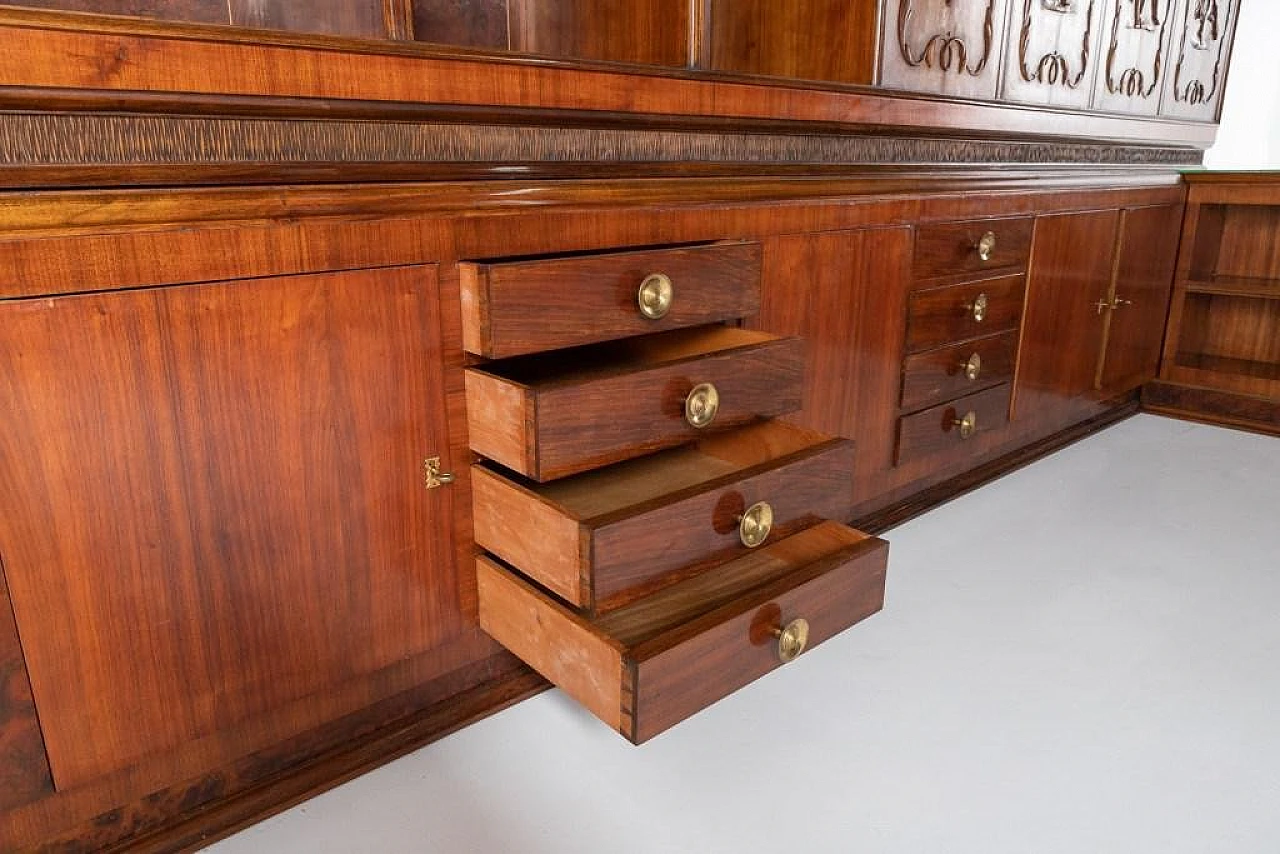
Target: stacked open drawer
point(654, 539)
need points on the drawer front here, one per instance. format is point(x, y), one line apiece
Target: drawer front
point(957, 248)
point(949, 315)
point(939, 430)
point(940, 375)
point(521, 307)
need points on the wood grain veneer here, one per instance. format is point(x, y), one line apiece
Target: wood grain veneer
point(24, 771)
point(940, 316)
point(939, 375)
point(763, 37)
point(951, 248)
point(935, 431)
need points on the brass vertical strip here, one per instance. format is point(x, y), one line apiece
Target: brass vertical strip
point(699, 34)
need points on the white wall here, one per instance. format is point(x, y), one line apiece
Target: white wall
point(1250, 134)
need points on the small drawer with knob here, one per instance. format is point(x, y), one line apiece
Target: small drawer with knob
point(649, 665)
point(550, 415)
point(511, 308)
point(603, 538)
point(947, 315)
point(952, 428)
point(949, 372)
point(960, 248)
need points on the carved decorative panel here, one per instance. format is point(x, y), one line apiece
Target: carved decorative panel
point(1135, 56)
point(1052, 55)
point(949, 47)
point(1197, 69)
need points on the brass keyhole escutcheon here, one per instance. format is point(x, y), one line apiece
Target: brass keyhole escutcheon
point(755, 524)
point(656, 295)
point(432, 476)
point(701, 406)
point(987, 246)
point(978, 308)
point(968, 424)
point(973, 367)
point(792, 639)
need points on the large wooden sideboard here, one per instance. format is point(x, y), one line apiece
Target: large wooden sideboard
point(329, 355)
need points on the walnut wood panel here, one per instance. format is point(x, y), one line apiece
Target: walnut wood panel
point(1201, 53)
point(805, 39)
point(1053, 52)
point(556, 414)
point(1229, 342)
point(646, 666)
point(936, 431)
point(340, 17)
point(24, 769)
point(951, 248)
point(1134, 330)
point(941, 316)
point(941, 46)
point(47, 52)
point(471, 23)
point(205, 11)
point(518, 307)
point(652, 32)
point(1062, 330)
point(628, 529)
point(1214, 406)
point(260, 547)
point(1136, 44)
point(939, 375)
point(1247, 244)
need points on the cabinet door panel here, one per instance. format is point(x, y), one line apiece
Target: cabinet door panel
point(1148, 250)
point(1197, 73)
point(1135, 50)
point(211, 502)
point(768, 37)
point(1053, 51)
point(949, 47)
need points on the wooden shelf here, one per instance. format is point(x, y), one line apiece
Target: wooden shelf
point(1236, 286)
point(1224, 365)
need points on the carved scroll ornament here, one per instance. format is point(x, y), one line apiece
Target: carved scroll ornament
point(1054, 69)
point(1148, 16)
point(945, 50)
point(1202, 31)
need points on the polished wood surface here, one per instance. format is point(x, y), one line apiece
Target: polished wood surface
point(206, 11)
point(939, 375)
point(1213, 406)
point(937, 431)
point(518, 307)
point(471, 23)
point(363, 18)
point(941, 316)
point(646, 666)
point(782, 39)
point(24, 773)
point(652, 32)
point(259, 548)
point(942, 46)
point(1134, 330)
point(1053, 52)
point(551, 415)
point(951, 248)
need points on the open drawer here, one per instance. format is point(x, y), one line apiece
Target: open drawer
point(649, 665)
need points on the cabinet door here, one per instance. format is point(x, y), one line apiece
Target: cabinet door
point(1135, 47)
point(1197, 73)
point(1070, 274)
point(768, 37)
point(211, 501)
point(1052, 52)
point(1139, 298)
point(950, 47)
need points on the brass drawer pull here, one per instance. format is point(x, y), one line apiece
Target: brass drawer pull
point(701, 406)
point(972, 367)
point(968, 424)
point(978, 308)
point(656, 295)
point(792, 639)
point(755, 524)
point(987, 246)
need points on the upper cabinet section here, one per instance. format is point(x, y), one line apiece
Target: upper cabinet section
point(1053, 51)
point(1198, 62)
point(806, 39)
point(951, 47)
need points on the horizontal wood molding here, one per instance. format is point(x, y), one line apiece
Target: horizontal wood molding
point(101, 57)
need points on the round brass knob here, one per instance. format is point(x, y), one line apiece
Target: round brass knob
point(968, 425)
point(987, 246)
point(792, 639)
point(973, 367)
point(755, 524)
point(978, 308)
point(701, 406)
point(655, 296)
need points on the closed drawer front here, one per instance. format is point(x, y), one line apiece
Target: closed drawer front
point(956, 248)
point(950, 427)
point(958, 313)
point(601, 539)
point(557, 414)
point(647, 666)
point(940, 375)
point(519, 307)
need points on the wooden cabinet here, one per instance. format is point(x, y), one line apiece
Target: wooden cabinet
point(1197, 71)
point(212, 504)
point(781, 39)
point(951, 48)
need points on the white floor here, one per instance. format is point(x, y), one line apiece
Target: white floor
point(1081, 657)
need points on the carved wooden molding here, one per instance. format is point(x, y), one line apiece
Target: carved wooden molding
point(1054, 69)
point(1151, 16)
point(1203, 29)
point(946, 49)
